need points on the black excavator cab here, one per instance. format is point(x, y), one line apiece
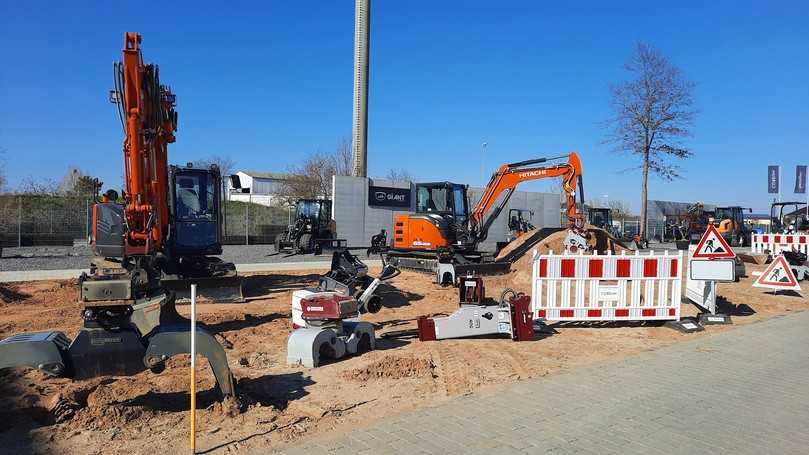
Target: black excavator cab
point(195, 211)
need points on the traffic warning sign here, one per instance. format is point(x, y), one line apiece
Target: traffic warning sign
point(778, 276)
point(712, 246)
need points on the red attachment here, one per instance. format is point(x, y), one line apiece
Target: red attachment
point(648, 312)
point(802, 239)
point(672, 312)
point(765, 238)
point(777, 239)
point(593, 313)
point(568, 268)
point(541, 313)
point(522, 319)
point(623, 268)
point(565, 313)
point(543, 267)
point(649, 268)
point(621, 313)
point(674, 268)
point(331, 307)
point(595, 268)
point(789, 239)
point(471, 290)
point(426, 328)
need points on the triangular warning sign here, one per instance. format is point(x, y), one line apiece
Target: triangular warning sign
point(778, 276)
point(712, 246)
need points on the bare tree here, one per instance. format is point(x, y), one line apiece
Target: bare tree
point(652, 115)
point(620, 209)
point(400, 174)
point(224, 163)
point(312, 178)
point(29, 185)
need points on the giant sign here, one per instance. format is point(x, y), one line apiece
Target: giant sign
point(383, 196)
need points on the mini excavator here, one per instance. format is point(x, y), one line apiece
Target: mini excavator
point(443, 236)
point(160, 236)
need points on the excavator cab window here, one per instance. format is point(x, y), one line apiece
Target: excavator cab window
point(195, 227)
point(459, 203)
point(308, 209)
point(196, 196)
point(442, 199)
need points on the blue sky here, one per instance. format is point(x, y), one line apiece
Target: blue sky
point(268, 82)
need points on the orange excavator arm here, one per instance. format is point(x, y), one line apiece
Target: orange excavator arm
point(508, 176)
point(149, 120)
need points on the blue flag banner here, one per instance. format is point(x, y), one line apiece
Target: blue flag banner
point(772, 179)
point(800, 179)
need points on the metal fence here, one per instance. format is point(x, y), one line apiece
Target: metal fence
point(34, 220)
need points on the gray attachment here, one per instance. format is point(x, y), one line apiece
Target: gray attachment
point(310, 345)
point(354, 331)
point(306, 345)
point(685, 326)
point(101, 290)
point(446, 274)
point(41, 350)
point(714, 319)
point(177, 340)
point(147, 312)
point(474, 320)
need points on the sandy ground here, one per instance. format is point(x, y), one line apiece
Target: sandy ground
point(147, 412)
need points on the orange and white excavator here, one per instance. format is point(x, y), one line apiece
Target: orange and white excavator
point(443, 225)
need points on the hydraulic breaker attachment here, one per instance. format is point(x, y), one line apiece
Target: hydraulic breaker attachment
point(45, 351)
point(171, 340)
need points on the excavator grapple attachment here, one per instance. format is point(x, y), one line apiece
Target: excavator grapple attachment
point(45, 351)
point(171, 340)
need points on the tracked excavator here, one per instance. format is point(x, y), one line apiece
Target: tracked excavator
point(443, 236)
point(161, 236)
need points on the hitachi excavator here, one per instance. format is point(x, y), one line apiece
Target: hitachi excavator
point(443, 236)
point(160, 236)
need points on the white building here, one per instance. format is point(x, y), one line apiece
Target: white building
point(257, 187)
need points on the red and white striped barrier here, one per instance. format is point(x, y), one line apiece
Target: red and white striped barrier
point(776, 243)
point(607, 287)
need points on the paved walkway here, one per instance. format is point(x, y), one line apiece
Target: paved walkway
point(744, 391)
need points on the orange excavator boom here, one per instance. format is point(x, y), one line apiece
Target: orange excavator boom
point(147, 112)
point(508, 176)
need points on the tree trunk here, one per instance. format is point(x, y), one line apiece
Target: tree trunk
point(643, 195)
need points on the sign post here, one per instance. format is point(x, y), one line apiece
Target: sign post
point(712, 261)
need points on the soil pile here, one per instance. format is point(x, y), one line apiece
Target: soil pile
point(598, 239)
point(391, 367)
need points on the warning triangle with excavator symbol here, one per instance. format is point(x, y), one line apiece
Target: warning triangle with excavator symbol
point(712, 246)
point(778, 276)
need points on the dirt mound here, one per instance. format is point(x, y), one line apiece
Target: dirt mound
point(391, 367)
point(598, 239)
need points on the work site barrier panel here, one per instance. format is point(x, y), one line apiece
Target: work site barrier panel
point(776, 243)
point(579, 287)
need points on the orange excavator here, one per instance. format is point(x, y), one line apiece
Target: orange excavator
point(161, 235)
point(443, 231)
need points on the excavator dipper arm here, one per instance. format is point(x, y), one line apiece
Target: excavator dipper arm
point(505, 180)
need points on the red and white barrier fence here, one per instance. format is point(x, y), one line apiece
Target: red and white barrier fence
point(776, 243)
point(609, 287)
